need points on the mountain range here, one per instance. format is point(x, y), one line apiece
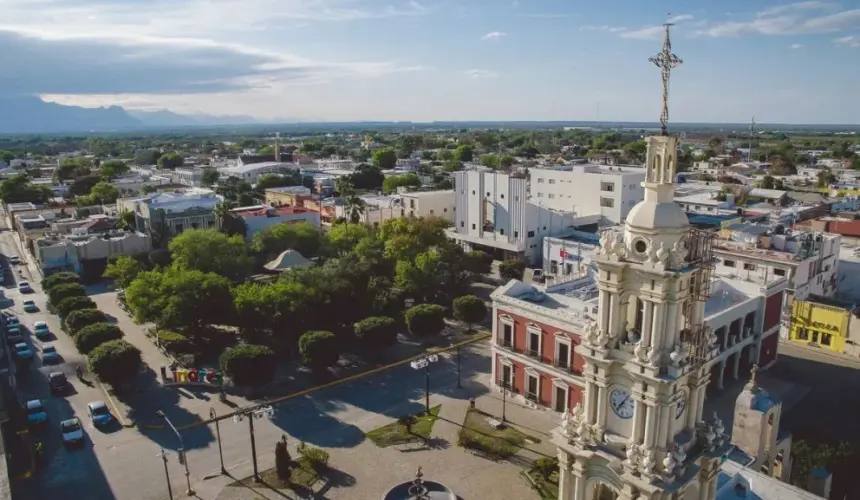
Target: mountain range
point(31, 115)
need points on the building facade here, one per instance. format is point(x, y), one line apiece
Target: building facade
point(170, 213)
point(493, 213)
point(72, 252)
point(825, 324)
point(610, 191)
point(429, 204)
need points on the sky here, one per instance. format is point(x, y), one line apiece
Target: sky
point(426, 60)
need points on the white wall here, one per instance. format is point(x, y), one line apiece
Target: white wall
point(434, 203)
point(589, 189)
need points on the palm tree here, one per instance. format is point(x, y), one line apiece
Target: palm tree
point(222, 213)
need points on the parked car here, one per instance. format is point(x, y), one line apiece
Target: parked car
point(30, 306)
point(40, 330)
point(50, 354)
point(36, 412)
point(538, 276)
point(14, 259)
point(13, 335)
point(23, 351)
point(58, 382)
point(99, 413)
point(24, 287)
point(73, 432)
point(11, 320)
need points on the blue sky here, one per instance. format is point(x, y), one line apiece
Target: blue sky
point(426, 60)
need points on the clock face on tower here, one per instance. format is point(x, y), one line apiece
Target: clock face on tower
point(622, 403)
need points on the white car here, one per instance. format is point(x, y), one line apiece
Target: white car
point(73, 431)
point(40, 329)
point(24, 287)
point(36, 412)
point(14, 259)
point(50, 354)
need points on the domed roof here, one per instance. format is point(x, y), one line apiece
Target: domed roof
point(653, 215)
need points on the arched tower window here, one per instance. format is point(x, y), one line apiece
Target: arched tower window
point(669, 170)
point(655, 169)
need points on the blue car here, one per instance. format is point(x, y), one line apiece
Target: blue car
point(99, 413)
point(36, 412)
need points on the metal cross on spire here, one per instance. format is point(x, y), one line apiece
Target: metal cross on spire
point(666, 61)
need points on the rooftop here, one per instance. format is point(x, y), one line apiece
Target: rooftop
point(422, 194)
point(260, 210)
point(592, 168)
point(738, 482)
point(576, 300)
point(290, 189)
point(252, 167)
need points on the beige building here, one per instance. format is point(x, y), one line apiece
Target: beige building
point(429, 204)
point(171, 213)
point(72, 252)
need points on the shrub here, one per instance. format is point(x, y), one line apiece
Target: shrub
point(425, 320)
point(315, 457)
point(249, 364)
point(71, 304)
point(319, 349)
point(545, 466)
point(512, 270)
point(479, 262)
point(62, 278)
point(92, 336)
point(65, 290)
point(469, 309)
point(115, 362)
point(376, 331)
point(160, 257)
point(173, 342)
point(283, 460)
point(81, 318)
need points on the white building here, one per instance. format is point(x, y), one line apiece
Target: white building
point(429, 204)
point(493, 213)
point(260, 217)
point(253, 171)
point(171, 213)
point(133, 183)
point(377, 209)
point(569, 256)
point(610, 191)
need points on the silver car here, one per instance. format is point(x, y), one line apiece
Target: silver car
point(73, 432)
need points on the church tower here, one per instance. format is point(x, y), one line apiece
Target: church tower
point(640, 432)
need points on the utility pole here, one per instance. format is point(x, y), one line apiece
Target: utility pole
point(163, 456)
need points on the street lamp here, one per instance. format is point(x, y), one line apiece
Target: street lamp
point(254, 412)
point(425, 363)
point(213, 416)
point(180, 452)
point(163, 456)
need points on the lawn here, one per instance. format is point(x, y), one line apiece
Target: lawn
point(395, 433)
point(547, 489)
point(303, 477)
point(498, 443)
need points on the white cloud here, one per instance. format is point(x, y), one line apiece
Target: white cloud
point(681, 18)
point(494, 35)
point(797, 46)
point(481, 73)
point(848, 41)
point(649, 33)
point(604, 27)
point(793, 19)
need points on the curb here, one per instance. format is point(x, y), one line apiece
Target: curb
point(115, 406)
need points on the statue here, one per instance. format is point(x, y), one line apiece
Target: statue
point(592, 333)
point(648, 462)
point(577, 413)
point(653, 254)
point(662, 254)
point(654, 356)
point(678, 255)
point(640, 351)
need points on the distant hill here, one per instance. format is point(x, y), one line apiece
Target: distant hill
point(30, 115)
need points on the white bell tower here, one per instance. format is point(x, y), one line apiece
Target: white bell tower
point(640, 432)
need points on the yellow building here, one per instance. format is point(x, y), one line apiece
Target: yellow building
point(823, 325)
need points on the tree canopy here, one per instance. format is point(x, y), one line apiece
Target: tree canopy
point(209, 251)
point(303, 237)
point(123, 270)
point(112, 168)
point(385, 158)
point(115, 362)
point(170, 161)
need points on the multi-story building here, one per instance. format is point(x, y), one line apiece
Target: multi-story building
point(569, 256)
point(753, 252)
point(171, 213)
point(251, 172)
point(493, 213)
point(81, 251)
point(260, 217)
point(429, 204)
point(610, 191)
point(287, 195)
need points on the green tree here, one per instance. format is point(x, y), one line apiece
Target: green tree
point(102, 193)
point(391, 183)
point(65, 290)
point(116, 362)
point(17, 189)
point(342, 237)
point(506, 161)
point(61, 278)
point(269, 181)
point(464, 153)
point(209, 251)
point(470, 310)
point(767, 182)
point(127, 220)
point(147, 157)
point(385, 158)
point(160, 258)
point(112, 168)
point(304, 238)
point(319, 349)
point(94, 335)
point(170, 161)
point(83, 186)
point(71, 304)
point(209, 176)
point(376, 332)
point(180, 298)
point(123, 270)
point(80, 318)
point(825, 178)
point(367, 177)
point(148, 189)
point(6, 156)
point(635, 151)
point(73, 168)
point(425, 320)
point(512, 269)
point(490, 160)
point(479, 262)
point(249, 365)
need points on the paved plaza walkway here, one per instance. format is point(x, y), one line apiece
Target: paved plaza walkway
point(366, 471)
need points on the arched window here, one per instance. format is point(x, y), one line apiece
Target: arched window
point(655, 169)
point(669, 168)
